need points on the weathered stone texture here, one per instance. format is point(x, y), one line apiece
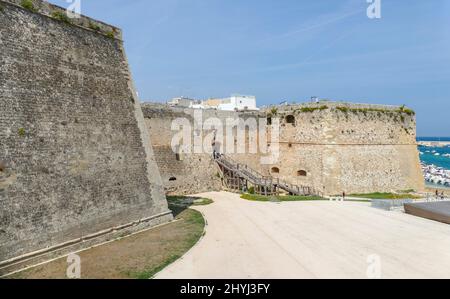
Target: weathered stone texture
point(183, 173)
point(366, 148)
point(74, 158)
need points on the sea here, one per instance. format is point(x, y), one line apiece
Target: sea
point(439, 156)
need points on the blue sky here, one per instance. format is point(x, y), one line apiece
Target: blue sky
point(289, 50)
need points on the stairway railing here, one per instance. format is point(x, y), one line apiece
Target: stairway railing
point(267, 182)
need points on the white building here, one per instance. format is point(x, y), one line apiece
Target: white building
point(233, 103)
point(238, 103)
point(185, 102)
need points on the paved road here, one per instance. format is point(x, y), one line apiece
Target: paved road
point(312, 240)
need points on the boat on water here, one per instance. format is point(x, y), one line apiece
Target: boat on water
point(436, 175)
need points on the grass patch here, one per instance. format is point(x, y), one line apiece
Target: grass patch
point(140, 256)
point(152, 272)
point(407, 191)
point(28, 4)
point(111, 34)
point(378, 195)
point(61, 16)
point(312, 109)
point(22, 132)
point(254, 197)
point(188, 201)
point(379, 111)
point(93, 26)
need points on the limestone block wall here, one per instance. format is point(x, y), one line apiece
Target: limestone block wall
point(348, 147)
point(71, 148)
point(181, 173)
point(190, 173)
point(330, 146)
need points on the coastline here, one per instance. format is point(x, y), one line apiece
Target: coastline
point(434, 143)
point(434, 152)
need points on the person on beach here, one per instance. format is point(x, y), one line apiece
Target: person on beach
point(343, 195)
point(437, 194)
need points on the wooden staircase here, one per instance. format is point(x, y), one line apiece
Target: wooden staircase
point(239, 177)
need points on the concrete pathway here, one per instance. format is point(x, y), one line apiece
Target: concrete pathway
point(312, 240)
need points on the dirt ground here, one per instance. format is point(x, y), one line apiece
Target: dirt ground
point(139, 256)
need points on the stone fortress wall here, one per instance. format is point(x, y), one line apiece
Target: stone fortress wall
point(188, 172)
point(356, 148)
point(330, 146)
point(79, 157)
point(74, 160)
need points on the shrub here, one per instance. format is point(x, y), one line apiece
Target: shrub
point(312, 109)
point(93, 26)
point(274, 111)
point(22, 132)
point(409, 112)
point(251, 190)
point(58, 15)
point(111, 35)
point(342, 109)
point(1, 7)
point(28, 4)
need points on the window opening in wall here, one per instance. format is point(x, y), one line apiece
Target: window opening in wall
point(302, 173)
point(290, 119)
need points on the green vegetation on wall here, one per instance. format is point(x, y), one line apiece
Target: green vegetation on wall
point(405, 110)
point(379, 111)
point(93, 26)
point(28, 4)
point(111, 35)
point(273, 111)
point(22, 132)
point(58, 15)
point(312, 109)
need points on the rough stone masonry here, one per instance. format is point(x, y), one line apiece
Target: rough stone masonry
point(333, 147)
point(74, 159)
